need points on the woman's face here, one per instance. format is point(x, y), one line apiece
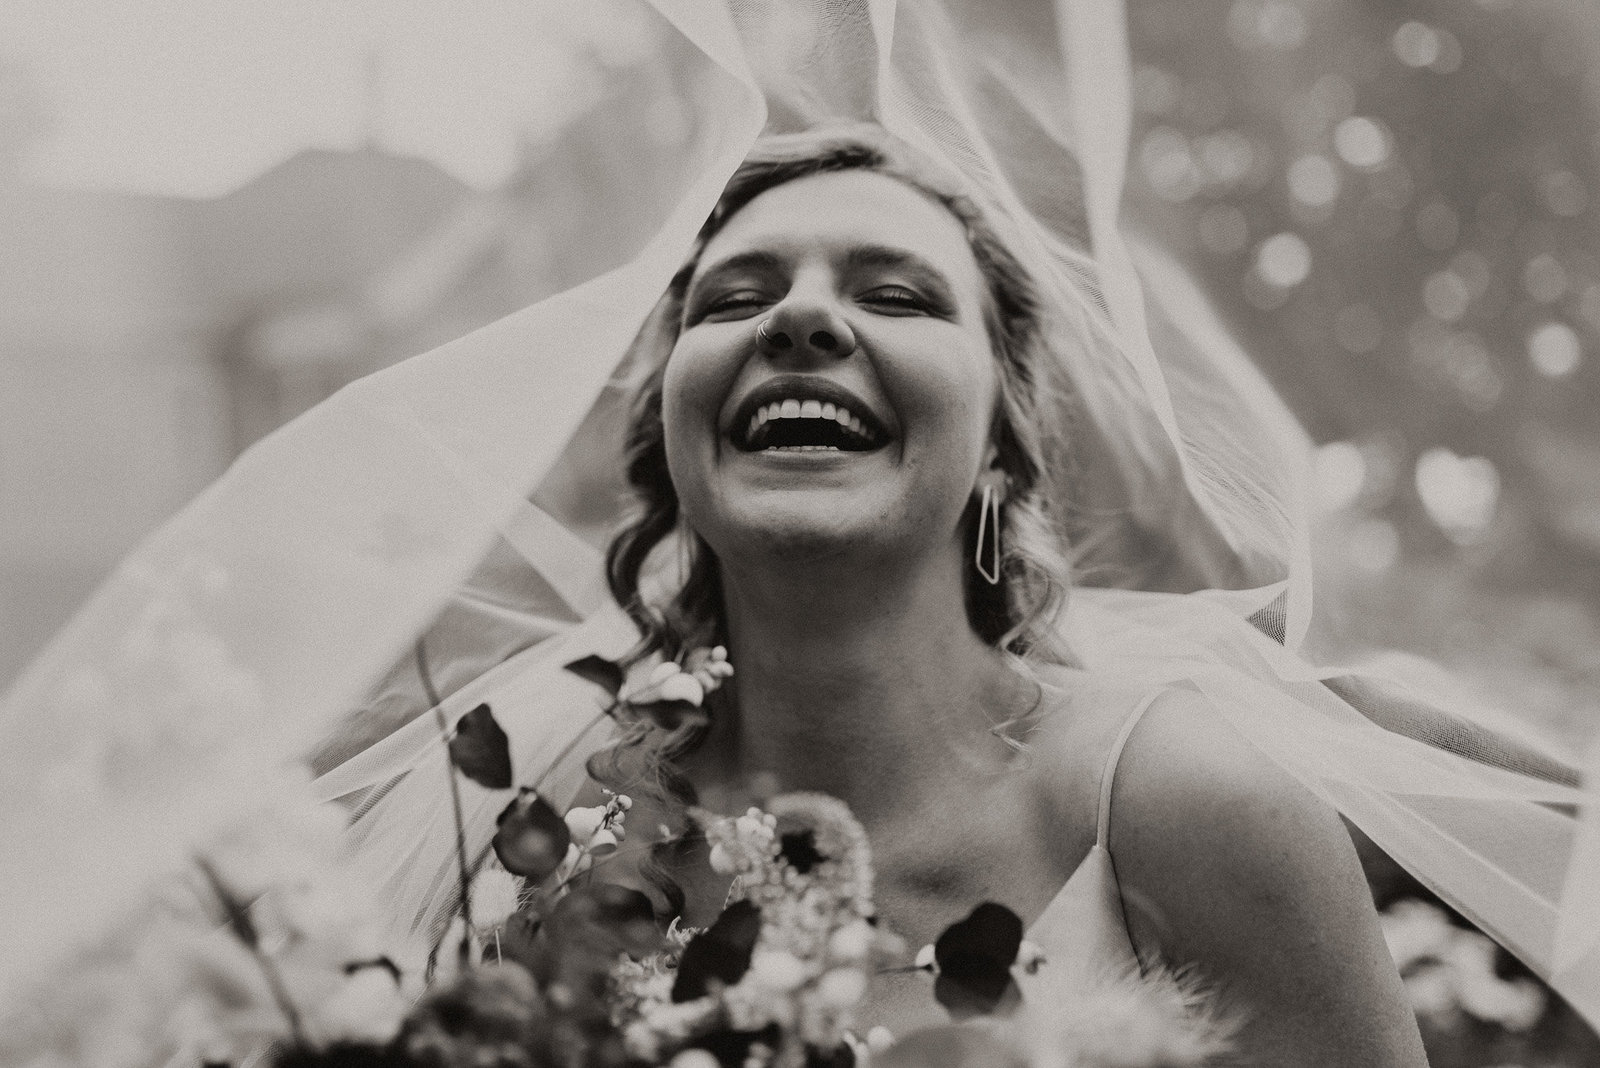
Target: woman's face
point(862, 419)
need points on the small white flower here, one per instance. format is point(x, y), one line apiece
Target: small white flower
point(367, 1007)
point(494, 898)
point(603, 844)
point(852, 942)
point(682, 688)
point(776, 970)
point(721, 862)
point(694, 1058)
point(842, 988)
point(584, 822)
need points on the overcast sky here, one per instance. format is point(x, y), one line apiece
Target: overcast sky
point(196, 96)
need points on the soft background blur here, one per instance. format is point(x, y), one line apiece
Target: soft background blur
point(213, 214)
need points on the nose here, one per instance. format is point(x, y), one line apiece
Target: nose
point(805, 328)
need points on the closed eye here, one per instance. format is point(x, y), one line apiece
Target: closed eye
point(737, 304)
point(896, 300)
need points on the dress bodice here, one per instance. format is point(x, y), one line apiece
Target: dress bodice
point(1083, 930)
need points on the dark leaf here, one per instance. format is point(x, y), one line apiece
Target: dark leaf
point(611, 918)
point(840, 1056)
point(799, 848)
point(486, 1009)
point(975, 958)
point(720, 953)
point(600, 671)
point(532, 837)
point(732, 1048)
point(981, 991)
point(343, 1055)
point(481, 750)
point(522, 941)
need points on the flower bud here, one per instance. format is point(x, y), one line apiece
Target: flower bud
point(842, 988)
point(603, 844)
point(683, 688)
point(777, 970)
point(852, 942)
point(584, 822)
point(494, 897)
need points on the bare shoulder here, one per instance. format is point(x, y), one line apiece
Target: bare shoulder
point(1229, 867)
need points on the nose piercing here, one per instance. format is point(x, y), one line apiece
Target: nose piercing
point(765, 335)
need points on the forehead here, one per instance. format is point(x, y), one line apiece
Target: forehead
point(840, 210)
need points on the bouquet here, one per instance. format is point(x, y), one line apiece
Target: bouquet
point(548, 964)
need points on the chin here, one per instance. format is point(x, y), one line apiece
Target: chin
point(799, 529)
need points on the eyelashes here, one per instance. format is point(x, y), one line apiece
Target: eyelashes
point(891, 299)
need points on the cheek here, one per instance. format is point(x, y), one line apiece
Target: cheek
point(691, 391)
point(953, 402)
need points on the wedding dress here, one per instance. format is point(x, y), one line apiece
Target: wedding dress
point(451, 499)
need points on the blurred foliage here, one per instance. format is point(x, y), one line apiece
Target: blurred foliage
point(1394, 207)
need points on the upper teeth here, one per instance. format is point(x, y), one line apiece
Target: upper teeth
point(806, 409)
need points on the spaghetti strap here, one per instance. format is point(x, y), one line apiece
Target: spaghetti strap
point(1108, 775)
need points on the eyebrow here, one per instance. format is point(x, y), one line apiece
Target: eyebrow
point(933, 280)
point(755, 261)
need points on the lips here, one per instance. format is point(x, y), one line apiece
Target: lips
point(804, 413)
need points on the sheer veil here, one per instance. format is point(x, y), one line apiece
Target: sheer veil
point(453, 498)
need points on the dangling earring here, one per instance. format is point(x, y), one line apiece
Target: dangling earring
point(989, 523)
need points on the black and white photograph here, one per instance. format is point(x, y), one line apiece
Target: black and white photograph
point(800, 534)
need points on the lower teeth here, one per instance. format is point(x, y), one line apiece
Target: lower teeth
point(802, 448)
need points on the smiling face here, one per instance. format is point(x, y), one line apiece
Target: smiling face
point(861, 419)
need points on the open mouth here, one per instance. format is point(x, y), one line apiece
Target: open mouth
point(799, 414)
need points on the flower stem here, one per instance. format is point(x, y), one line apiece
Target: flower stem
point(464, 870)
point(238, 915)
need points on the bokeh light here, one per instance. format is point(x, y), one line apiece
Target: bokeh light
point(1460, 493)
point(1544, 278)
point(1446, 296)
point(1554, 350)
point(1362, 142)
point(1341, 472)
point(1283, 260)
point(1314, 181)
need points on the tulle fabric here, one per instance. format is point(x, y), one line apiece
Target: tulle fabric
point(452, 499)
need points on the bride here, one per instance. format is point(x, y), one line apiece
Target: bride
point(903, 420)
point(852, 423)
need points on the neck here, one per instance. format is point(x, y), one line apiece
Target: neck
point(867, 683)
